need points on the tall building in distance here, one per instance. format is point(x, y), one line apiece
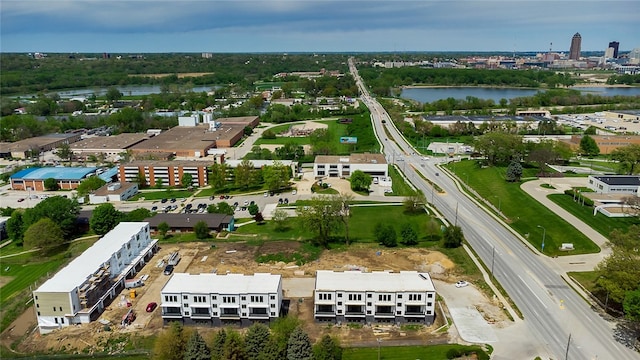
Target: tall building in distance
point(614, 45)
point(576, 43)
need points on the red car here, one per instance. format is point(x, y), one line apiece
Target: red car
point(151, 306)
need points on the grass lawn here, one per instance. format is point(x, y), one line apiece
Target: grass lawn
point(527, 216)
point(410, 352)
point(284, 140)
point(602, 224)
point(162, 194)
point(399, 186)
point(586, 278)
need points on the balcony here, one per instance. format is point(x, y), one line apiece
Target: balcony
point(414, 310)
point(229, 313)
point(385, 311)
point(259, 313)
point(200, 313)
point(171, 312)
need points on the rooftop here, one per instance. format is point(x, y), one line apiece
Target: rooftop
point(258, 283)
point(58, 173)
point(159, 163)
point(37, 142)
point(366, 158)
point(121, 141)
point(82, 267)
point(104, 190)
point(214, 221)
point(245, 120)
point(381, 281)
point(619, 180)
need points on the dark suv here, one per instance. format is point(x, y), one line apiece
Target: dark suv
point(168, 269)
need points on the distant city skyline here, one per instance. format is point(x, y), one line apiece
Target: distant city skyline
point(138, 26)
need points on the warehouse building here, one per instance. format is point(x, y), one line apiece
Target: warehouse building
point(375, 297)
point(212, 299)
point(81, 290)
point(109, 147)
point(34, 146)
point(32, 179)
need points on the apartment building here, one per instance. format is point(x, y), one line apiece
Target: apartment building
point(214, 300)
point(343, 166)
point(166, 173)
point(375, 297)
point(81, 290)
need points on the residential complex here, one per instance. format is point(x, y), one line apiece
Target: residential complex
point(343, 166)
point(81, 290)
point(166, 173)
point(353, 296)
point(212, 299)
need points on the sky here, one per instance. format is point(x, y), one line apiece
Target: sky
point(155, 26)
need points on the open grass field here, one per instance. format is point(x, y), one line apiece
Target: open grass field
point(602, 224)
point(283, 141)
point(399, 185)
point(586, 278)
point(162, 194)
point(526, 215)
point(411, 352)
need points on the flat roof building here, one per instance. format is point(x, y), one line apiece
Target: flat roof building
point(166, 173)
point(343, 166)
point(81, 290)
point(118, 191)
point(66, 177)
point(109, 146)
point(353, 296)
point(185, 222)
point(615, 184)
point(34, 146)
point(212, 299)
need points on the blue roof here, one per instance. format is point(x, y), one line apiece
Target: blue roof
point(58, 173)
point(107, 175)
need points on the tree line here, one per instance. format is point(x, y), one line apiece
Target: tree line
point(285, 339)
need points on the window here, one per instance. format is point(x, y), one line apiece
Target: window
point(244, 306)
point(399, 305)
point(213, 297)
point(369, 296)
point(54, 308)
point(429, 304)
point(398, 312)
point(60, 308)
point(339, 303)
point(273, 313)
point(369, 304)
point(38, 305)
point(399, 296)
point(339, 311)
point(243, 298)
point(430, 295)
point(186, 313)
point(214, 306)
point(320, 172)
point(56, 319)
point(62, 320)
point(340, 295)
point(273, 297)
point(185, 305)
point(38, 313)
point(368, 312)
point(428, 312)
point(273, 305)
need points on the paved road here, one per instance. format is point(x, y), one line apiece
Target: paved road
point(553, 312)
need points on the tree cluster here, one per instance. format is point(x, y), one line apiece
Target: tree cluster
point(324, 215)
point(284, 340)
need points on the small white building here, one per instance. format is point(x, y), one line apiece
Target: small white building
point(81, 290)
point(353, 296)
point(212, 299)
point(614, 184)
point(118, 191)
point(343, 166)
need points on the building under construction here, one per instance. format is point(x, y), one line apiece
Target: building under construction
point(77, 294)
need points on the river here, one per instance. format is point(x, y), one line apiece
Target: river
point(431, 94)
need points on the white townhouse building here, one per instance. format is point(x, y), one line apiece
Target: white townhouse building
point(374, 297)
point(615, 184)
point(81, 290)
point(212, 299)
point(343, 166)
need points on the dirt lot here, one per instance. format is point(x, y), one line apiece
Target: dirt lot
point(235, 257)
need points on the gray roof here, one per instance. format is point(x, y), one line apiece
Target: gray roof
point(619, 180)
point(214, 221)
point(378, 281)
point(258, 283)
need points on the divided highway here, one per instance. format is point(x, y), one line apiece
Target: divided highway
point(559, 320)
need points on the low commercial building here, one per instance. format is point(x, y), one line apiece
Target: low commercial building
point(81, 290)
point(179, 223)
point(606, 143)
point(181, 141)
point(353, 296)
point(33, 178)
point(34, 146)
point(166, 173)
point(109, 147)
point(343, 166)
point(614, 184)
point(212, 299)
point(118, 191)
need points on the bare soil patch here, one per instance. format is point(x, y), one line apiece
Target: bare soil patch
point(4, 280)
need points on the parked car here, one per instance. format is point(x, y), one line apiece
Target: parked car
point(286, 201)
point(154, 208)
point(21, 200)
point(294, 192)
point(168, 269)
point(246, 202)
point(280, 201)
point(173, 200)
point(151, 306)
point(163, 201)
point(461, 283)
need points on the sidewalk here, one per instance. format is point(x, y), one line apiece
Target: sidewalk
point(584, 262)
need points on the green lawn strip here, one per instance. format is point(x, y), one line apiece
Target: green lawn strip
point(599, 222)
point(162, 194)
point(284, 140)
point(399, 185)
point(525, 213)
point(25, 275)
point(586, 278)
point(411, 352)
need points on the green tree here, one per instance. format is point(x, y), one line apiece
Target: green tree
point(113, 94)
point(280, 218)
point(256, 341)
point(221, 208)
point(104, 218)
point(163, 228)
point(137, 215)
point(253, 209)
point(171, 343)
point(500, 147)
point(44, 234)
point(322, 216)
point(196, 348)
point(514, 171)
point(453, 237)
point(90, 184)
point(620, 271)
point(15, 226)
point(141, 180)
point(588, 146)
point(64, 152)
point(281, 331)
point(360, 181)
point(218, 176)
point(243, 174)
point(234, 347)
point(61, 210)
point(217, 346)
point(186, 180)
point(409, 234)
point(299, 346)
point(414, 203)
point(628, 158)
point(631, 305)
point(201, 229)
point(268, 134)
point(276, 176)
point(328, 348)
point(591, 130)
point(385, 234)
point(50, 184)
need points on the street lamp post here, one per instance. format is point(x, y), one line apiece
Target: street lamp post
point(544, 234)
point(379, 341)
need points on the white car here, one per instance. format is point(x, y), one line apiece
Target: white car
point(461, 284)
point(294, 192)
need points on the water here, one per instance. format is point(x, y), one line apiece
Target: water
point(126, 90)
point(432, 94)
